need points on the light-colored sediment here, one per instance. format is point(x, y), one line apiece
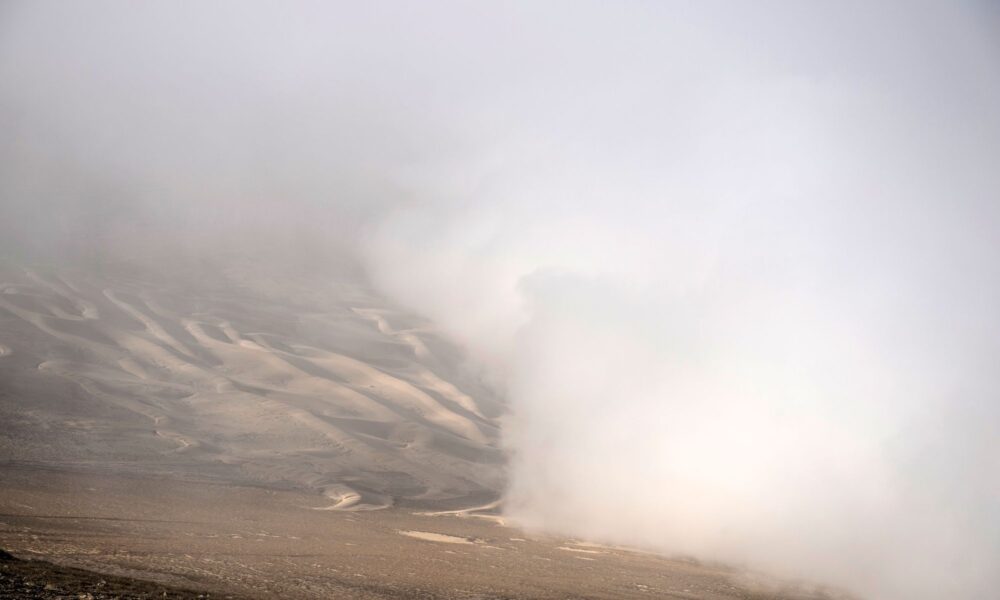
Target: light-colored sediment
point(436, 537)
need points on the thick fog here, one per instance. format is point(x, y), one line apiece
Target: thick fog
point(735, 266)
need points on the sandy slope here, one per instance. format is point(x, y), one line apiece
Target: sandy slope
point(287, 381)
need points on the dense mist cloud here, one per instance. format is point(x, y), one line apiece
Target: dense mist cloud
point(733, 265)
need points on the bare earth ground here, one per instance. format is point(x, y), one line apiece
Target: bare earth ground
point(230, 432)
point(258, 542)
point(42, 580)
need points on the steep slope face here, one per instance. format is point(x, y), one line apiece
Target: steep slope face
point(282, 381)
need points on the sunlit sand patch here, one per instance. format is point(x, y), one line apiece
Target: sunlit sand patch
point(612, 547)
point(567, 548)
point(485, 512)
point(436, 537)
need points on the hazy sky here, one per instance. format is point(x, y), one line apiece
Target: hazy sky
point(734, 265)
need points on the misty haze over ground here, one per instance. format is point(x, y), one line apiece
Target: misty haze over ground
point(732, 267)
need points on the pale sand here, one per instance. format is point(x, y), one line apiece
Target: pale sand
point(567, 548)
point(436, 537)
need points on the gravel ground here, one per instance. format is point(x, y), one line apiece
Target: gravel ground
point(38, 579)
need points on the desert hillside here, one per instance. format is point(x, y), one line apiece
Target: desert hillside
point(252, 380)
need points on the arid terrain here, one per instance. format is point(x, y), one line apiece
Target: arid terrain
point(271, 441)
point(325, 389)
point(266, 543)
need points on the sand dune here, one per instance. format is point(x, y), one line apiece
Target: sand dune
point(292, 384)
